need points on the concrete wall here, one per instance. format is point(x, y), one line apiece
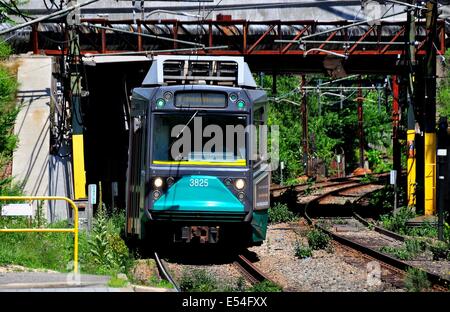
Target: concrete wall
point(40, 173)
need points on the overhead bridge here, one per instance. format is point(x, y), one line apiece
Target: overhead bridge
point(281, 46)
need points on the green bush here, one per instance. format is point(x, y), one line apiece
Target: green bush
point(280, 213)
point(317, 239)
point(198, 280)
point(409, 251)
point(155, 281)
point(440, 251)
point(416, 280)
point(5, 50)
point(397, 222)
point(376, 161)
point(117, 282)
point(107, 251)
point(302, 251)
point(266, 286)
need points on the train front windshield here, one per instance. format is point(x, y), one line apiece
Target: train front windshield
point(199, 139)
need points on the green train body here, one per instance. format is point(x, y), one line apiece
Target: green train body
point(205, 193)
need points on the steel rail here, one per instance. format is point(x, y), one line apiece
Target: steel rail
point(165, 273)
point(251, 272)
point(384, 258)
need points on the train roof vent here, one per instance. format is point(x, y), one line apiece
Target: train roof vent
point(188, 69)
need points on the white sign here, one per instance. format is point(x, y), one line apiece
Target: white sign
point(393, 177)
point(92, 190)
point(17, 210)
point(442, 152)
point(282, 165)
point(115, 189)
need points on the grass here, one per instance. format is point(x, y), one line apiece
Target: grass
point(302, 251)
point(416, 280)
point(410, 250)
point(397, 222)
point(317, 239)
point(198, 280)
point(368, 178)
point(117, 282)
point(155, 281)
point(265, 286)
point(280, 213)
point(54, 251)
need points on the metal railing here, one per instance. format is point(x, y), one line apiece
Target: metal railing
point(73, 230)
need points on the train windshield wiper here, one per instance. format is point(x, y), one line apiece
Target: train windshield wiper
point(187, 124)
point(182, 130)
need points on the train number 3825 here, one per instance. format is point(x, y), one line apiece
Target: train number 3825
point(198, 182)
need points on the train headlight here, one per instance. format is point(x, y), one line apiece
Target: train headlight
point(156, 194)
point(168, 95)
point(158, 182)
point(160, 103)
point(239, 184)
point(170, 181)
point(233, 97)
point(240, 104)
point(241, 196)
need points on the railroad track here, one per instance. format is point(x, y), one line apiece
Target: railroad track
point(164, 273)
point(249, 270)
point(302, 188)
point(360, 235)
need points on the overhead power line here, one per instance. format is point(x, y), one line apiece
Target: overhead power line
point(45, 17)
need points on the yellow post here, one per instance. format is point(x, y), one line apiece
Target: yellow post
point(411, 170)
point(74, 230)
point(430, 174)
point(79, 173)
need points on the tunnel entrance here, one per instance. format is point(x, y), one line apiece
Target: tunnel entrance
point(105, 122)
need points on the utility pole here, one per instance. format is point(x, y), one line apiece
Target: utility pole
point(360, 125)
point(304, 112)
point(396, 151)
point(410, 35)
point(430, 110)
point(442, 174)
point(74, 60)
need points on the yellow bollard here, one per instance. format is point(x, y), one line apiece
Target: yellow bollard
point(430, 174)
point(411, 168)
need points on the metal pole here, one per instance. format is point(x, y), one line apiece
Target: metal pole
point(304, 112)
point(395, 125)
point(360, 125)
point(319, 104)
point(430, 109)
point(79, 172)
point(442, 172)
point(411, 132)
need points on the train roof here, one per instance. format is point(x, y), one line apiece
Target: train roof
point(199, 69)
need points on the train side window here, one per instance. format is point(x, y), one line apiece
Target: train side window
point(258, 121)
